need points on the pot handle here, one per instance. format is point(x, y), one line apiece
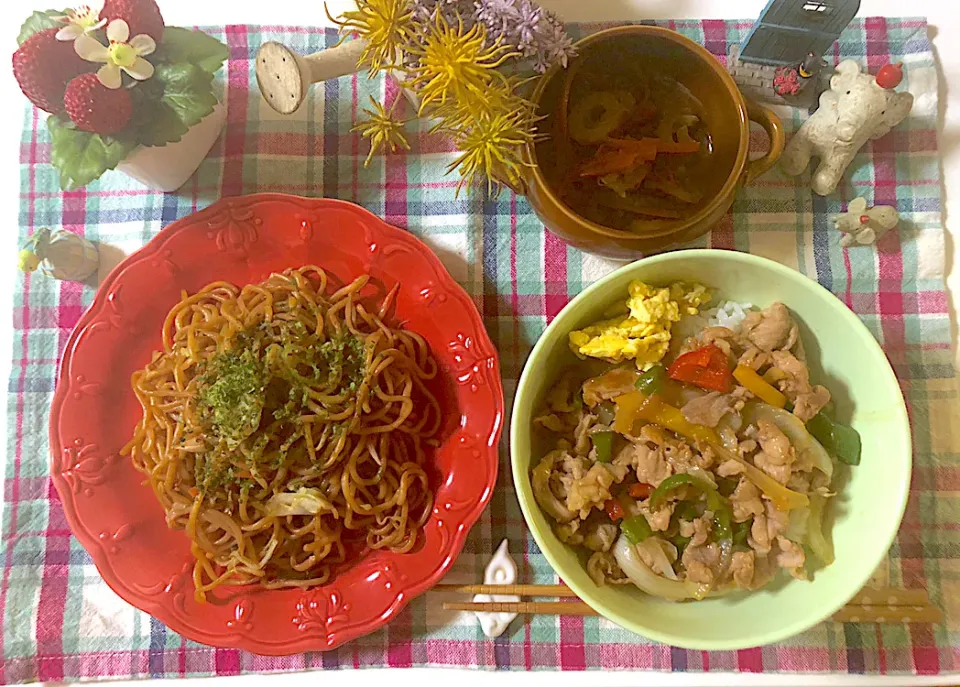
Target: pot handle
point(770, 122)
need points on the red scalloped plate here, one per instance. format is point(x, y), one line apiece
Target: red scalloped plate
point(117, 518)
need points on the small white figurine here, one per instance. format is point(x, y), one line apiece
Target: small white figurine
point(500, 570)
point(857, 107)
point(864, 226)
point(60, 254)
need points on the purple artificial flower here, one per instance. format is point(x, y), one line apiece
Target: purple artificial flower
point(527, 24)
point(555, 43)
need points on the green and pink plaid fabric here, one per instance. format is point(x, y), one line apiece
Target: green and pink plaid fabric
point(61, 622)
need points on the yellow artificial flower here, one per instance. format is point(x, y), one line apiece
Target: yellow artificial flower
point(454, 64)
point(386, 26)
point(382, 130)
point(492, 147)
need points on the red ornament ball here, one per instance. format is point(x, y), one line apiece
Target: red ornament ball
point(890, 75)
point(94, 107)
point(43, 66)
point(142, 16)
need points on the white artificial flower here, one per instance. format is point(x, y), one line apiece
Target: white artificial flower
point(120, 55)
point(83, 20)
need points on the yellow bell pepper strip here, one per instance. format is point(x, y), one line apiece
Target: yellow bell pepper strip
point(628, 410)
point(652, 409)
point(758, 386)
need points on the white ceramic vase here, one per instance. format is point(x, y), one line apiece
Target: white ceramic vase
point(166, 168)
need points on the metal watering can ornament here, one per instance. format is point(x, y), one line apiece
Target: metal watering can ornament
point(60, 254)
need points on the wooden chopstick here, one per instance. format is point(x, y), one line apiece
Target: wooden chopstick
point(896, 615)
point(531, 607)
point(886, 605)
point(559, 590)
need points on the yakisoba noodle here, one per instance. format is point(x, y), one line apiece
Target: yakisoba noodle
point(284, 428)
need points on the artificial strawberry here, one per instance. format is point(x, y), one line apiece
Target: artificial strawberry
point(142, 16)
point(43, 66)
point(96, 108)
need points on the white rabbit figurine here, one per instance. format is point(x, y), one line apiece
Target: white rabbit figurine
point(865, 226)
point(857, 107)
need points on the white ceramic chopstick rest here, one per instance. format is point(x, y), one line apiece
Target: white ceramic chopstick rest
point(500, 570)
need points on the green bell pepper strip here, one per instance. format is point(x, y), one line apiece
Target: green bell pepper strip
point(606, 412)
point(722, 515)
point(839, 440)
point(680, 542)
point(603, 443)
point(652, 381)
point(741, 531)
point(687, 511)
point(669, 484)
point(636, 529)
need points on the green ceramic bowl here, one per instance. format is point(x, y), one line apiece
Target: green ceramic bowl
point(864, 517)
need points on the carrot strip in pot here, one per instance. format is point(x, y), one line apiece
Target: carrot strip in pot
point(609, 162)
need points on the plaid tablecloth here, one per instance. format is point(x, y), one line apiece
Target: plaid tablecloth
point(61, 622)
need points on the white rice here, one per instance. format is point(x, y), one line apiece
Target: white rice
point(729, 314)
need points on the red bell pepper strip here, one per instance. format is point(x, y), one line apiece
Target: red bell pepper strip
point(705, 367)
point(640, 491)
point(614, 510)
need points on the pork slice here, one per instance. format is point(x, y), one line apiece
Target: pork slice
point(698, 529)
point(659, 520)
point(770, 329)
point(590, 491)
point(721, 337)
point(776, 456)
point(729, 468)
point(741, 568)
point(581, 434)
point(808, 400)
point(754, 358)
point(613, 383)
point(708, 409)
point(766, 527)
point(604, 569)
point(791, 558)
point(600, 536)
point(648, 463)
point(701, 562)
point(746, 501)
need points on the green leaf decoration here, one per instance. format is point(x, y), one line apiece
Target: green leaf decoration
point(39, 21)
point(164, 126)
point(183, 46)
point(187, 97)
point(81, 156)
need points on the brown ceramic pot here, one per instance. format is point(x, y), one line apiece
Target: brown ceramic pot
point(727, 117)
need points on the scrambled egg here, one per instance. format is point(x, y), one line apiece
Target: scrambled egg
point(642, 335)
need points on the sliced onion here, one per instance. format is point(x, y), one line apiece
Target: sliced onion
point(654, 548)
point(304, 501)
point(793, 427)
point(817, 542)
point(648, 581)
point(799, 524)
